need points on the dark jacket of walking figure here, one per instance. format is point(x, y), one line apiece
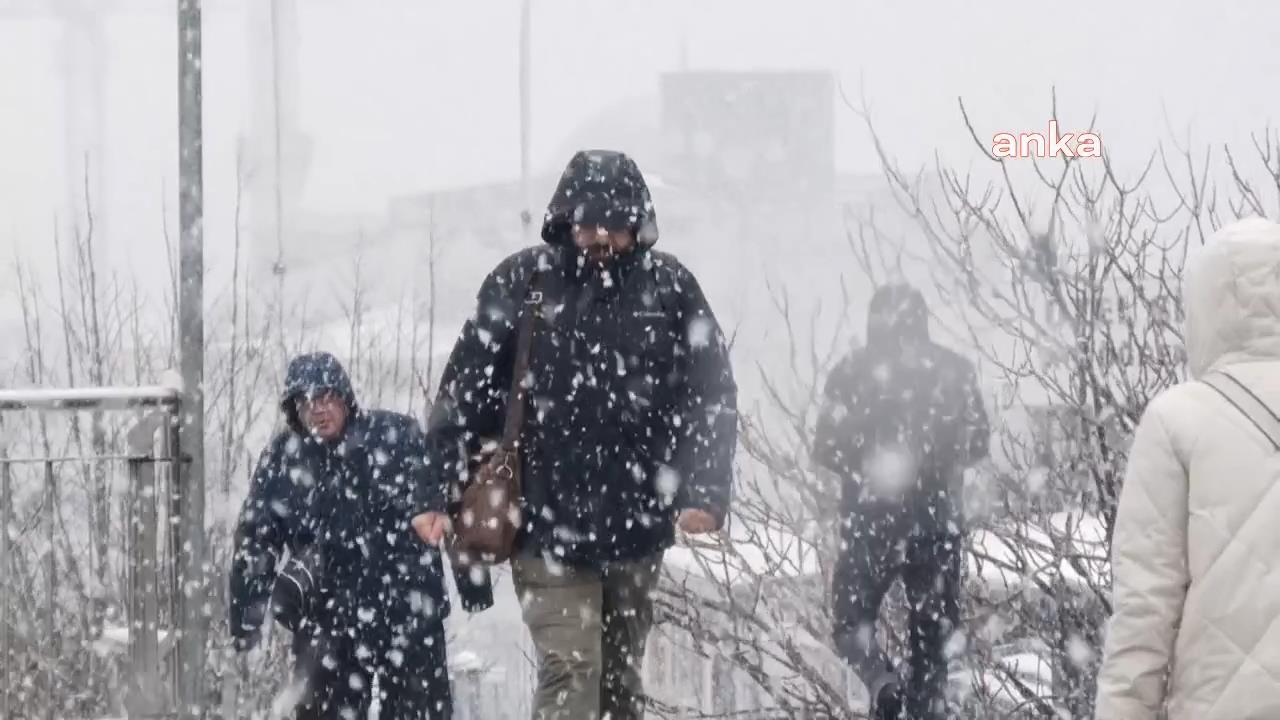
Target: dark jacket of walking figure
point(363, 595)
point(903, 417)
point(630, 429)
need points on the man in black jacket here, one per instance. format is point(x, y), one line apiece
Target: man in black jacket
point(630, 429)
point(363, 595)
point(903, 418)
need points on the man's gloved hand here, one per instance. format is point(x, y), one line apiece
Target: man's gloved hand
point(246, 642)
point(249, 633)
point(294, 597)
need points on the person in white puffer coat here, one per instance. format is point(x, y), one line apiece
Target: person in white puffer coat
point(1196, 549)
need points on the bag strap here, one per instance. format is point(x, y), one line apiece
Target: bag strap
point(516, 398)
point(1244, 400)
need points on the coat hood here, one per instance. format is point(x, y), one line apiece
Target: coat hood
point(310, 374)
point(1231, 294)
point(898, 316)
point(602, 187)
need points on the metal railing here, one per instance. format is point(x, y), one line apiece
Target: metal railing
point(160, 660)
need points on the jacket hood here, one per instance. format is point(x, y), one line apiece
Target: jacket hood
point(1231, 294)
point(309, 375)
point(603, 187)
point(897, 316)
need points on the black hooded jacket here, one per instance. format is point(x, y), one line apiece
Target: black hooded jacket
point(903, 395)
point(343, 510)
point(632, 402)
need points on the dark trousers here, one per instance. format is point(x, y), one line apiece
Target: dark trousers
point(333, 683)
point(873, 556)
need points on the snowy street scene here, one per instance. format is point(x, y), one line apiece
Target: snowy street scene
point(595, 360)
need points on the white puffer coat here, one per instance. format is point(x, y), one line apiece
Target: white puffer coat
point(1196, 551)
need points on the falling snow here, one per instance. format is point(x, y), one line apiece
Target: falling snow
point(903, 423)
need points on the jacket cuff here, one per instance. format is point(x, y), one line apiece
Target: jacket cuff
point(476, 598)
point(435, 502)
point(474, 582)
point(696, 493)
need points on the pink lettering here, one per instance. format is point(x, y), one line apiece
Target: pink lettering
point(1055, 143)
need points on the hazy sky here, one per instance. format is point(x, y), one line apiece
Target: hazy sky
point(400, 96)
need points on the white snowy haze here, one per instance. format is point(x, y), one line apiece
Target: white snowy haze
point(383, 104)
point(398, 98)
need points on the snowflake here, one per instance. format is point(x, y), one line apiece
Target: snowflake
point(1037, 479)
point(956, 645)
point(289, 696)
point(700, 332)
point(1079, 652)
point(889, 471)
point(992, 630)
point(881, 373)
point(300, 476)
point(667, 482)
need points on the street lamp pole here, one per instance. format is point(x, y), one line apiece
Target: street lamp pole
point(190, 592)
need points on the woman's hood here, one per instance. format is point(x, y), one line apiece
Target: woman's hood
point(1231, 294)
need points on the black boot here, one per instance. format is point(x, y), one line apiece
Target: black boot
point(888, 703)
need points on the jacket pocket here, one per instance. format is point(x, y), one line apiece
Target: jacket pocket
point(647, 361)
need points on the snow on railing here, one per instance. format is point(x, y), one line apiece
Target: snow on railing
point(147, 690)
point(97, 398)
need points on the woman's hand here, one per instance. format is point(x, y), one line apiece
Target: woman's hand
point(432, 527)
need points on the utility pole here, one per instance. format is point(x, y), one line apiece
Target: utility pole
point(277, 174)
point(526, 214)
point(85, 62)
point(191, 599)
point(278, 150)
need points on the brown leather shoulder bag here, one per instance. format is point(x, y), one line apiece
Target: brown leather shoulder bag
point(487, 519)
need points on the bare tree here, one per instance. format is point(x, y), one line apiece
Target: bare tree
point(1062, 281)
point(1066, 283)
point(752, 603)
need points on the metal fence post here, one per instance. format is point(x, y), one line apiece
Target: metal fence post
point(51, 568)
point(6, 617)
point(177, 471)
point(146, 688)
